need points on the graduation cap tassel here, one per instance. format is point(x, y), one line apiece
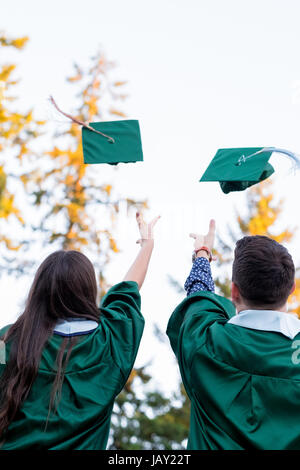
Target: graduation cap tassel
point(81, 123)
point(291, 155)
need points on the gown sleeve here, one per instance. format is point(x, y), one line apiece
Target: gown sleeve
point(189, 323)
point(123, 323)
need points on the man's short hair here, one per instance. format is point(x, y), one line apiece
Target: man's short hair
point(264, 271)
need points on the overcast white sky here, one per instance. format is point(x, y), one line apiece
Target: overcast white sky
point(202, 76)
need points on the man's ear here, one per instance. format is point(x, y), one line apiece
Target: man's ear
point(293, 288)
point(235, 293)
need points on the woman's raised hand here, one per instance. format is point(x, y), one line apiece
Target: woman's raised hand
point(146, 229)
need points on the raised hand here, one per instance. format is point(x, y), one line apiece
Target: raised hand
point(146, 229)
point(205, 240)
point(138, 269)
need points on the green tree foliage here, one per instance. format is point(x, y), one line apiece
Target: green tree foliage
point(145, 419)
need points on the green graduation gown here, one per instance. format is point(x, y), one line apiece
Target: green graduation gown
point(99, 366)
point(243, 384)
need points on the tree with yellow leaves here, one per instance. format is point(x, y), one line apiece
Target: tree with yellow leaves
point(17, 129)
point(71, 204)
point(79, 208)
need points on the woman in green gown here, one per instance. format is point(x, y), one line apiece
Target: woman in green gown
point(64, 360)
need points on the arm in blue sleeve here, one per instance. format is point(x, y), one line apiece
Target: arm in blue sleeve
point(200, 278)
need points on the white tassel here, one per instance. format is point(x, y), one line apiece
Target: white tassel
point(291, 155)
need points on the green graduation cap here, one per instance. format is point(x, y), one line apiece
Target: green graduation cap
point(238, 168)
point(117, 141)
point(109, 142)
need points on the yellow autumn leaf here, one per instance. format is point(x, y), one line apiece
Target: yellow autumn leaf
point(113, 245)
point(107, 188)
point(117, 112)
point(19, 43)
point(6, 71)
point(120, 83)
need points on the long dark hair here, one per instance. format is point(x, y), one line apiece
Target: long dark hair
point(64, 287)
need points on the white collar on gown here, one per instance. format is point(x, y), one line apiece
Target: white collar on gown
point(74, 327)
point(287, 324)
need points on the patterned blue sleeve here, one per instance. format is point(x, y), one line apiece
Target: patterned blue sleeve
point(200, 277)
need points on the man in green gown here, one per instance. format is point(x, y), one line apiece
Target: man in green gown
point(240, 360)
